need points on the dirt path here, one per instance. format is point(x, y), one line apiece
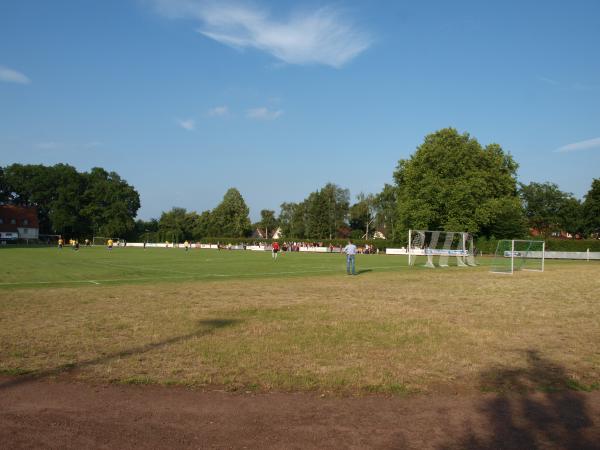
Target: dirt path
point(37, 413)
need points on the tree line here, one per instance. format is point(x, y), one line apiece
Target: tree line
point(72, 203)
point(451, 182)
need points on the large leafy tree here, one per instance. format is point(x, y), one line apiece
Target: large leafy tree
point(56, 192)
point(292, 220)
point(549, 209)
point(110, 203)
point(203, 226)
point(337, 202)
point(322, 215)
point(230, 217)
point(70, 202)
point(451, 182)
point(66, 205)
point(590, 210)
point(144, 230)
point(176, 225)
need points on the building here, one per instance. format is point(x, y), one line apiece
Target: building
point(18, 222)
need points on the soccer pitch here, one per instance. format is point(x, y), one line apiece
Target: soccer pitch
point(241, 321)
point(97, 265)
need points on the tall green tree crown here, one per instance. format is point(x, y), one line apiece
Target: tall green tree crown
point(451, 182)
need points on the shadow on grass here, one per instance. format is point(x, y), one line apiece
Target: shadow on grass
point(205, 327)
point(360, 272)
point(535, 407)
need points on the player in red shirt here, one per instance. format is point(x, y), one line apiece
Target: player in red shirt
point(275, 250)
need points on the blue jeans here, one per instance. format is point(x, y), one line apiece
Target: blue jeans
point(350, 263)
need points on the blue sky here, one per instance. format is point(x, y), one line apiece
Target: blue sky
point(187, 98)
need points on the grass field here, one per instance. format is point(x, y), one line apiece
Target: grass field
point(96, 265)
point(239, 320)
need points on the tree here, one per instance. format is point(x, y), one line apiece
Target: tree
point(203, 226)
point(362, 215)
point(322, 215)
point(337, 200)
point(110, 203)
point(144, 230)
point(65, 207)
point(4, 194)
point(453, 183)
point(175, 225)
point(385, 205)
point(268, 222)
point(230, 217)
point(510, 220)
point(549, 209)
point(590, 210)
point(292, 220)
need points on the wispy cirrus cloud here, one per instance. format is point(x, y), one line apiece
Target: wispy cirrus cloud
point(578, 146)
point(264, 113)
point(323, 36)
point(49, 145)
point(12, 76)
point(187, 124)
point(218, 111)
point(548, 81)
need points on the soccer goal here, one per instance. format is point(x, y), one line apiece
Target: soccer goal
point(515, 254)
point(427, 248)
point(101, 240)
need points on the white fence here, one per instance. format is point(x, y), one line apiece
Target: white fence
point(586, 256)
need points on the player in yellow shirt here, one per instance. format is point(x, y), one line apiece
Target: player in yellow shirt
point(186, 245)
point(109, 244)
point(60, 243)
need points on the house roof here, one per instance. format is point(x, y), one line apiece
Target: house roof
point(23, 216)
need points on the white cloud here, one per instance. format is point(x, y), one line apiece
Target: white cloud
point(12, 76)
point(577, 146)
point(48, 145)
point(187, 124)
point(263, 113)
point(218, 111)
point(548, 81)
point(584, 87)
point(323, 36)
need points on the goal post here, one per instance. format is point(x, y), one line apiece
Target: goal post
point(519, 254)
point(102, 240)
point(440, 248)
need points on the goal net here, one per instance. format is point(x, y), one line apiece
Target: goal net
point(515, 254)
point(441, 248)
point(101, 240)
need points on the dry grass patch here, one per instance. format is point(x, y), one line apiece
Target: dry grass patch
point(390, 332)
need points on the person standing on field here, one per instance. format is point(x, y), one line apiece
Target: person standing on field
point(275, 250)
point(350, 251)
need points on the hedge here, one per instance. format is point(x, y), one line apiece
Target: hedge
point(488, 246)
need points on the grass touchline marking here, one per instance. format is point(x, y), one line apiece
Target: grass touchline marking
point(186, 276)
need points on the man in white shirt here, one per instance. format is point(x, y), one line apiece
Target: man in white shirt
point(350, 251)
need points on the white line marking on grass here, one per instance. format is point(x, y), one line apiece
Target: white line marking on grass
point(187, 276)
point(144, 267)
